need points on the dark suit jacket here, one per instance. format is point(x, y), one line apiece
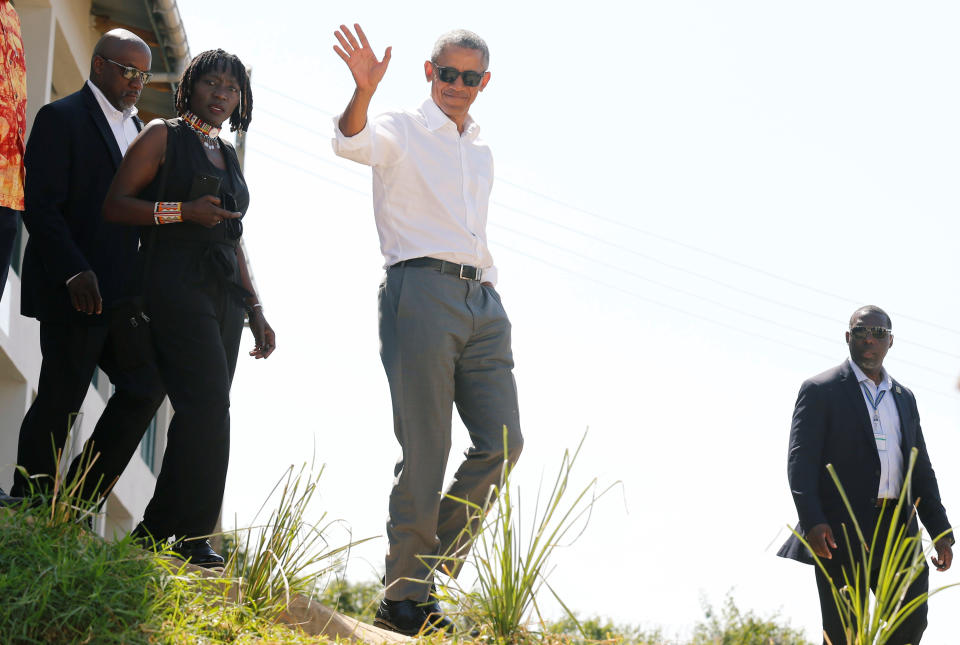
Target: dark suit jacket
point(70, 161)
point(831, 425)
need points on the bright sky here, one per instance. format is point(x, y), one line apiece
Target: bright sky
point(690, 201)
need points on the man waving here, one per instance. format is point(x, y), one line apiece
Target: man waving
point(444, 335)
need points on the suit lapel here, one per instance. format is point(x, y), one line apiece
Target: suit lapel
point(908, 435)
point(854, 397)
point(96, 113)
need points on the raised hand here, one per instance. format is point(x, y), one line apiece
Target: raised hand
point(367, 70)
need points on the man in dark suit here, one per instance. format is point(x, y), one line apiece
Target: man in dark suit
point(76, 266)
point(856, 417)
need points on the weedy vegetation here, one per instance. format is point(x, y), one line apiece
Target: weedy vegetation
point(59, 583)
point(287, 555)
point(511, 560)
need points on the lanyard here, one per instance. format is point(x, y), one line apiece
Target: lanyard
point(878, 433)
point(874, 403)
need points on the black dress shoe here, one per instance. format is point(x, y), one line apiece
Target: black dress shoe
point(411, 618)
point(199, 552)
point(143, 538)
point(7, 500)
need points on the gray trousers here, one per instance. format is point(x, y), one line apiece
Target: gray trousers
point(443, 340)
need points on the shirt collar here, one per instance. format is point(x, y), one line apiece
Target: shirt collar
point(112, 113)
point(885, 384)
point(436, 119)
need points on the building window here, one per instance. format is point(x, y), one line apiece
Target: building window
point(148, 444)
point(17, 259)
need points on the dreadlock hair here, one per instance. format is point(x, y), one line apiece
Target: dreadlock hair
point(219, 60)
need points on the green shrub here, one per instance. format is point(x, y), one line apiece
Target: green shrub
point(356, 599)
point(730, 626)
point(597, 628)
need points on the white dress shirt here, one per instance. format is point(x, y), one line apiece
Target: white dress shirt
point(886, 431)
point(121, 123)
point(431, 185)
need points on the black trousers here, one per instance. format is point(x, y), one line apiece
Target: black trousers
point(196, 321)
point(9, 219)
point(912, 628)
point(70, 354)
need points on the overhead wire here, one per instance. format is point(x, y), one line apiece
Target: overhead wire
point(654, 235)
point(692, 314)
point(620, 247)
point(727, 285)
point(713, 254)
point(584, 276)
point(691, 294)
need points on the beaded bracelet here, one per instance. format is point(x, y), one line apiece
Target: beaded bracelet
point(167, 212)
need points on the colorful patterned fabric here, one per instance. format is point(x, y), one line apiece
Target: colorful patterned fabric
point(13, 108)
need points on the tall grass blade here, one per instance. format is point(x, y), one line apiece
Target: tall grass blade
point(285, 555)
point(511, 559)
point(902, 556)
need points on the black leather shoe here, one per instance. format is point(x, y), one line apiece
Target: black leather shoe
point(199, 552)
point(411, 618)
point(143, 538)
point(7, 500)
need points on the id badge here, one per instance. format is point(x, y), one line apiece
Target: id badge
point(880, 437)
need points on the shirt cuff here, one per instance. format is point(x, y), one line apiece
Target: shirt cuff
point(70, 279)
point(342, 142)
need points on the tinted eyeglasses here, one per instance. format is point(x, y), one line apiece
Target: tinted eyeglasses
point(130, 73)
point(451, 74)
point(861, 333)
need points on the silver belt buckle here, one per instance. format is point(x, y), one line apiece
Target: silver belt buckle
point(476, 272)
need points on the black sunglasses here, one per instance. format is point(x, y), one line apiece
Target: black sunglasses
point(130, 73)
point(451, 74)
point(861, 333)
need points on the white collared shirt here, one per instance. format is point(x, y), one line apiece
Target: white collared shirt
point(885, 423)
point(121, 123)
point(431, 185)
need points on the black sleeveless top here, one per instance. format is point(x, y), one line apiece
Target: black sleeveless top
point(207, 254)
point(185, 160)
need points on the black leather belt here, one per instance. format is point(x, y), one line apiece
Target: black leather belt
point(462, 271)
point(880, 501)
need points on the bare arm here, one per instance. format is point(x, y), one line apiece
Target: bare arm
point(367, 73)
point(263, 334)
point(139, 167)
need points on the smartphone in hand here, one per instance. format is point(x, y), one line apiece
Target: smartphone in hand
point(204, 185)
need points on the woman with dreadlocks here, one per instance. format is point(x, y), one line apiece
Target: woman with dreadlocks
point(183, 185)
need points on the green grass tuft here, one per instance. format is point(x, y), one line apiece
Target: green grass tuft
point(286, 555)
point(61, 584)
point(511, 558)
